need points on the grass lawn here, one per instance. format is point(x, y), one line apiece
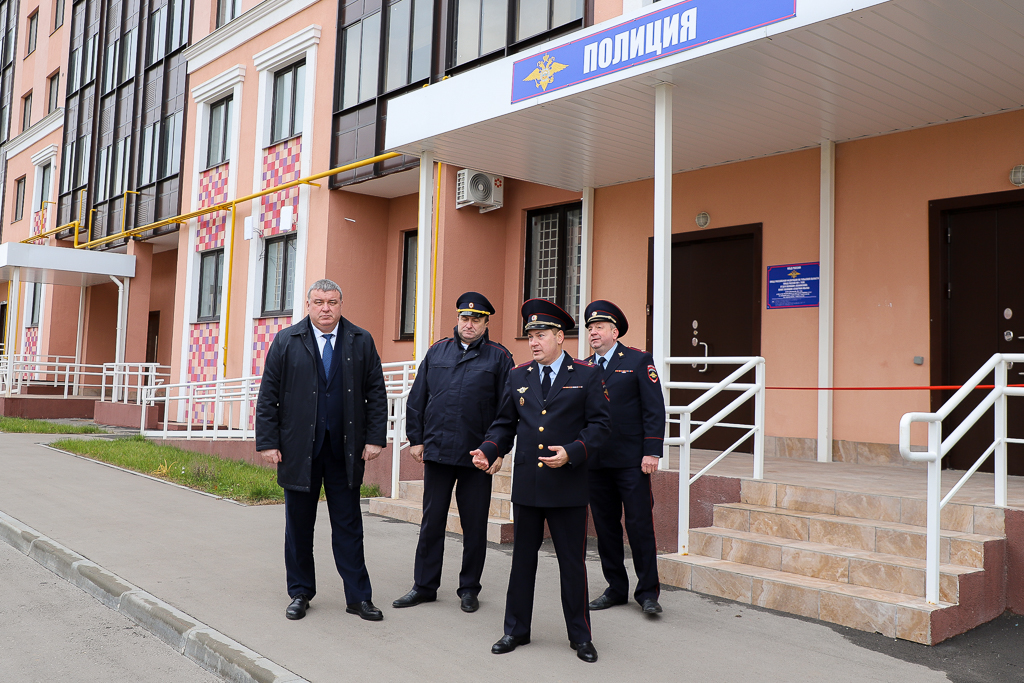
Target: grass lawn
point(19, 425)
point(250, 484)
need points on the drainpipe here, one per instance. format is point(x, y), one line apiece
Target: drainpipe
point(586, 268)
point(423, 251)
point(662, 296)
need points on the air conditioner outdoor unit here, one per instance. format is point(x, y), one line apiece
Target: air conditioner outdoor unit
point(475, 188)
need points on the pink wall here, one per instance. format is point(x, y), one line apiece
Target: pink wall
point(162, 298)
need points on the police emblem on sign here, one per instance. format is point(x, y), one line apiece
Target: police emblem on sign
point(652, 373)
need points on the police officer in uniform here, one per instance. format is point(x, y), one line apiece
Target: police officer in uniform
point(556, 409)
point(451, 404)
point(620, 473)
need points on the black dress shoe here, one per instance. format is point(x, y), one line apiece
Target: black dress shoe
point(413, 597)
point(585, 651)
point(604, 602)
point(470, 603)
point(365, 610)
point(509, 643)
point(651, 606)
point(298, 608)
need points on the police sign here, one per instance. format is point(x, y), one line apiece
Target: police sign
point(676, 28)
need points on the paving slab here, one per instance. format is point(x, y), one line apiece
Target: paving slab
point(222, 565)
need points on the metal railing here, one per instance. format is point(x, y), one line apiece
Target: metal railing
point(398, 378)
point(217, 409)
point(938, 447)
point(690, 430)
point(28, 370)
point(121, 380)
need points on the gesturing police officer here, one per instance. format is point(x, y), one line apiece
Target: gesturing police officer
point(452, 403)
point(557, 410)
point(620, 473)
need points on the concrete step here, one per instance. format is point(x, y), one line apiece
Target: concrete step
point(867, 609)
point(883, 571)
point(967, 518)
point(501, 503)
point(892, 538)
point(499, 529)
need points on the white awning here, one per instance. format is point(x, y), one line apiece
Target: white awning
point(829, 73)
point(63, 266)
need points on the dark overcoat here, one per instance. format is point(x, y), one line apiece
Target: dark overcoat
point(455, 398)
point(574, 416)
point(637, 409)
point(286, 410)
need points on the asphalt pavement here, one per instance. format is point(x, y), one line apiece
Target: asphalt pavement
point(222, 565)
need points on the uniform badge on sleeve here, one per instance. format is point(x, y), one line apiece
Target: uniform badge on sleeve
point(652, 373)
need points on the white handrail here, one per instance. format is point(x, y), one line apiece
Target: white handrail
point(398, 378)
point(997, 366)
point(687, 435)
point(48, 371)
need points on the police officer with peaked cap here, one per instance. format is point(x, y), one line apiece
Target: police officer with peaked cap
point(620, 472)
point(451, 404)
point(556, 409)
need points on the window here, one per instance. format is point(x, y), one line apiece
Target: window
point(26, 112)
point(553, 252)
point(73, 70)
point(480, 28)
point(408, 328)
point(127, 55)
point(110, 63)
point(119, 166)
point(410, 23)
point(58, 14)
point(220, 121)
point(289, 93)
point(178, 30)
point(279, 275)
point(170, 145)
point(89, 59)
point(157, 35)
point(149, 155)
point(538, 16)
point(37, 296)
point(84, 148)
point(44, 187)
point(33, 30)
point(361, 47)
point(226, 11)
point(19, 198)
point(210, 266)
point(53, 88)
point(103, 173)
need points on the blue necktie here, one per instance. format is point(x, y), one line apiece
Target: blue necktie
point(545, 382)
point(328, 352)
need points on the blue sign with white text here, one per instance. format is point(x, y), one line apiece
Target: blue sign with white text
point(793, 286)
point(681, 26)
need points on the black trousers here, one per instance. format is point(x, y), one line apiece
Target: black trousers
point(569, 533)
point(473, 497)
point(346, 530)
point(611, 491)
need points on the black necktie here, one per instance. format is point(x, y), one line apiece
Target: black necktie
point(601, 362)
point(545, 382)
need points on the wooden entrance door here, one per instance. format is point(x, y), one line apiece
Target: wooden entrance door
point(984, 302)
point(716, 311)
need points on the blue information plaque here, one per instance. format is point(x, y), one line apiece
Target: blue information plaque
point(793, 286)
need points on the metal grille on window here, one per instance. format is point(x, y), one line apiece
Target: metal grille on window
point(573, 259)
point(544, 281)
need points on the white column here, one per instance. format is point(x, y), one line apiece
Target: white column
point(13, 324)
point(662, 303)
point(79, 336)
point(586, 268)
point(826, 258)
point(424, 250)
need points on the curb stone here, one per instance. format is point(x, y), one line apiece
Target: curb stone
point(207, 647)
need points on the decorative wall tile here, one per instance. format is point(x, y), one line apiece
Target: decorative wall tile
point(204, 338)
point(280, 165)
point(213, 189)
point(263, 332)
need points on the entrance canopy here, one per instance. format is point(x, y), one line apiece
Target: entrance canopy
point(751, 78)
point(62, 266)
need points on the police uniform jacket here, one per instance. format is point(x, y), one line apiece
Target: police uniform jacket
point(637, 409)
point(455, 398)
point(575, 416)
point(286, 410)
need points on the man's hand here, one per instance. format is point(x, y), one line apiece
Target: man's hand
point(495, 467)
point(371, 451)
point(416, 452)
point(649, 464)
point(557, 460)
point(272, 456)
point(480, 460)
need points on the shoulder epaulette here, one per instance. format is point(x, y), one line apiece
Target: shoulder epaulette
point(522, 366)
point(496, 344)
point(583, 362)
point(441, 341)
point(636, 349)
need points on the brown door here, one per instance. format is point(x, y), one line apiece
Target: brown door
point(984, 316)
point(716, 311)
point(3, 323)
point(153, 336)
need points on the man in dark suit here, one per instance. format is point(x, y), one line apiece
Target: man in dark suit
point(556, 409)
point(620, 474)
point(452, 403)
point(322, 411)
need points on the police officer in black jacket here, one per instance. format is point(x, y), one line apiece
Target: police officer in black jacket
point(556, 409)
point(452, 403)
point(620, 473)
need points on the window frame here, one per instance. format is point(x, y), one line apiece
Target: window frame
point(53, 92)
point(225, 120)
point(19, 199)
point(36, 310)
point(408, 288)
point(217, 254)
point(223, 9)
point(58, 14)
point(26, 111)
point(288, 272)
point(33, 33)
point(296, 127)
point(562, 210)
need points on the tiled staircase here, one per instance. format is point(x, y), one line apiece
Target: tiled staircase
point(408, 506)
point(849, 558)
